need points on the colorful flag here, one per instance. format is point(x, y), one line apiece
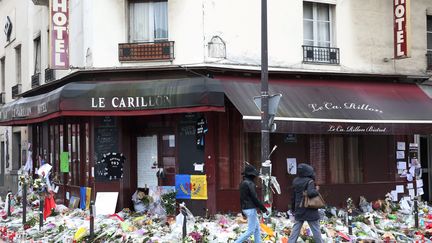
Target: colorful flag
point(183, 187)
point(199, 187)
point(191, 187)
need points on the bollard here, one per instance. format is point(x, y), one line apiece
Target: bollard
point(9, 213)
point(24, 203)
point(416, 216)
point(350, 222)
point(41, 208)
point(183, 211)
point(92, 213)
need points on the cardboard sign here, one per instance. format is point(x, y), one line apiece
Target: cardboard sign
point(106, 202)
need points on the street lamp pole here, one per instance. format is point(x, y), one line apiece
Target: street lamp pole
point(265, 130)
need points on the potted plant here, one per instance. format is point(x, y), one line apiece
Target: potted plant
point(168, 201)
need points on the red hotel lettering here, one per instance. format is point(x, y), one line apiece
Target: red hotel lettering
point(400, 28)
point(60, 35)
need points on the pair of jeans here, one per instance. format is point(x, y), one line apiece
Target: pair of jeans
point(253, 226)
point(314, 226)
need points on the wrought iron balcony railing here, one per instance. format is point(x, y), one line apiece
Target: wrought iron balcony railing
point(161, 50)
point(319, 54)
point(35, 80)
point(16, 90)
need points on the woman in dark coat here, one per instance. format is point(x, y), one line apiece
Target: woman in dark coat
point(304, 181)
point(249, 203)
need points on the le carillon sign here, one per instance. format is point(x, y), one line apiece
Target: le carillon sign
point(134, 97)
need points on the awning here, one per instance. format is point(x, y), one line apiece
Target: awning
point(117, 98)
point(331, 106)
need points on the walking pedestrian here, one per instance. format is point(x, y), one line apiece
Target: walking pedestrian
point(249, 203)
point(304, 181)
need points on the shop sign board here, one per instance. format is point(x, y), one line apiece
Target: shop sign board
point(401, 28)
point(59, 34)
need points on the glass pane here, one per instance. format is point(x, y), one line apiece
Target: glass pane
point(336, 158)
point(161, 20)
point(429, 41)
point(323, 12)
point(429, 23)
point(307, 10)
point(139, 21)
point(323, 32)
point(307, 30)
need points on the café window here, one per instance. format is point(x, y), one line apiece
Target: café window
point(317, 24)
point(344, 160)
point(148, 21)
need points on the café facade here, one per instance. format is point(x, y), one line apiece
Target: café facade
point(170, 122)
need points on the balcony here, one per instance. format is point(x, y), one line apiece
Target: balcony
point(320, 55)
point(429, 60)
point(16, 90)
point(2, 98)
point(49, 75)
point(147, 51)
point(35, 80)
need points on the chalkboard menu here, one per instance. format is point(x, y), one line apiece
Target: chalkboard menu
point(106, 141)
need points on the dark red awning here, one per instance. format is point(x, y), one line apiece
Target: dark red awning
point(332, 106)
point(117, 98)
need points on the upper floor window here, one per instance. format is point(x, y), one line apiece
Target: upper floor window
point(3, 74)
point(37, 55)
point(317, 24)
point(18, 64)
point(148, 21)
point(429, 42)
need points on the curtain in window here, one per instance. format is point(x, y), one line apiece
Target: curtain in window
point(37, 46)
point(336, 160)
point(353, 163)
point(139, 22)
point(148, 21)
point(161, 20)
point(316, 24)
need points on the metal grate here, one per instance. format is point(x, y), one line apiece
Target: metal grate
point(429, 60)
point(317, 54)
point(35, 80)
point(161, 50)
point(49, 75)
point(16, 90)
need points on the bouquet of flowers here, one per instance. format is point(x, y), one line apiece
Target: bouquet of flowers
point(39, 185)
point(145, 199)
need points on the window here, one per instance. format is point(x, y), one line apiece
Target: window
point(429, 42)
point(18, 64)
point(344, 160)
point(148, 21)
point(317, 27)
point(37, 55)
point(3, 75)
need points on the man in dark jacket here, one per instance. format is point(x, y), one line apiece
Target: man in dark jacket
point(249, 202)
point(304, 181)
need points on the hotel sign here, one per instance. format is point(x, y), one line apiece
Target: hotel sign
point(401, 28)
point(59, 34)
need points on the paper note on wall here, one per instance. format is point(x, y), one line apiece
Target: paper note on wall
point(394, 196)
point(399, 188)
point(401, 165)
point(292, 166)
point(400, 145)
point(64, 162)
point(419, 183)
point(400, 154)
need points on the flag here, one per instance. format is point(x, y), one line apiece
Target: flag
point(182, 183)
point(83, 191)
point(88, 197)
point(191, 187)
point(199, 187)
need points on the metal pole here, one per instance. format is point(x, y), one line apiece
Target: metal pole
point(24, 203)
point(92, 220)
point(265, 131)
point(41, 208)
